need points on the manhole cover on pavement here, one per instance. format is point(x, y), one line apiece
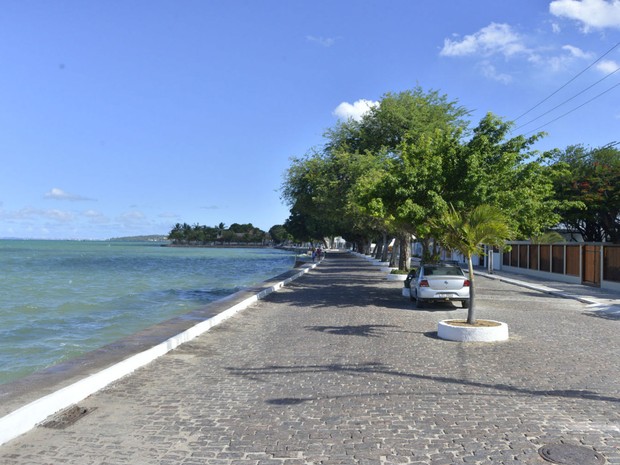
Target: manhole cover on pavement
point(566, 454)
point(66, 417)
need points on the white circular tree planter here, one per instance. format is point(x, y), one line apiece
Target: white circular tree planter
point(396, 277)
point(493, 331)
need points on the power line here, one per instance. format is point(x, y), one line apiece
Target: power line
point(567, 83)
point(569, 99)
point(574, 109)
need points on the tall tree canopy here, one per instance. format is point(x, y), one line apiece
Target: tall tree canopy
point(406, 160)
point(588, 180)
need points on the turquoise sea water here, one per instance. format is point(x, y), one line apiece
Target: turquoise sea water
point(60, 299)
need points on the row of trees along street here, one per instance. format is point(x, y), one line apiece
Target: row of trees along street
point(414, 159)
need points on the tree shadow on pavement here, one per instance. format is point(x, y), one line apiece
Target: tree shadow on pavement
point(352, 330)
point(363, 369)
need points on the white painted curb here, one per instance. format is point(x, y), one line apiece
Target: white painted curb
point(469, 334)
point(27, 417)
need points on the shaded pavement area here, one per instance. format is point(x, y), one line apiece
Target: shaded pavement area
point(338, 368)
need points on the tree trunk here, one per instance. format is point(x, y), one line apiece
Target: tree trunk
point(359, 246)
point(471, 311)
point(379, 249)
point(395, 254)
point(386, 246)
point(405, 252)
point(426, 254)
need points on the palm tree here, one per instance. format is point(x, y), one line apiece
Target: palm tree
point(466, 232)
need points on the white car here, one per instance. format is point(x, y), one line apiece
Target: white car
point(439, 282)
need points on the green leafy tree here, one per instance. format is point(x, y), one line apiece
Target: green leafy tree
point(318, 189)
point(176, 234)
point(588, 180)
point(406, 133)
point(279, 234)
point(389, 173)
point(466, 232)
point(505, 172)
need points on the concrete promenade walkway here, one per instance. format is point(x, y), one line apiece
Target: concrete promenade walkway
point(338, 368)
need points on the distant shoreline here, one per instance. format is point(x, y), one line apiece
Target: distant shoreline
point(221, 246)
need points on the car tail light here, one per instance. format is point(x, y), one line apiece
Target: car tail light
point(424, 283)
point(466, 283)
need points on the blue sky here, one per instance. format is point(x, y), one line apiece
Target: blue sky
point(123, 118)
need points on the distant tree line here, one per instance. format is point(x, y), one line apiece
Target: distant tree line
point(247, 234)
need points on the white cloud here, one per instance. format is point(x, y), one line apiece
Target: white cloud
point(59, 194)
point(132, 216)
point(169, 215)
point(324, 41)
point(490, 40)
point(30, 214)
point(356, 110)
point(593, 14)
point(576, 51)
point(563, 61)
point(607, 66)
point(95, 217)
point(59, 215)
point(489, 71)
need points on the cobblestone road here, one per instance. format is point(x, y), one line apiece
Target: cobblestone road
point(338, 368)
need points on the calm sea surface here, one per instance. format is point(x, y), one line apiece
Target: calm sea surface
point(60, 299)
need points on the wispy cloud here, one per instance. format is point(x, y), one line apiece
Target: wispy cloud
point(356, 110)
point(169, 215)
point(592, 14)
point(132, 217)
point(490, 40)
point(489, 71)
point(607, 66)
point(59, 194)
point(95, 217)
point(563, 59)
point(29, 213)
point(497, 42)
point(494, 40)
point(577, 52)
point(324, 41)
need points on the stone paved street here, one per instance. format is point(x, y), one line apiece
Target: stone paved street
point(338, 368)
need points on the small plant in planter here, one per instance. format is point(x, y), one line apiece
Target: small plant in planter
point(397, 275)
point(465, 232)
point(399, 272)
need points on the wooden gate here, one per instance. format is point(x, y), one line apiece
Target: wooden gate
point(592, 265)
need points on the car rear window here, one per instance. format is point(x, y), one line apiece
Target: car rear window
point(442, 271)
